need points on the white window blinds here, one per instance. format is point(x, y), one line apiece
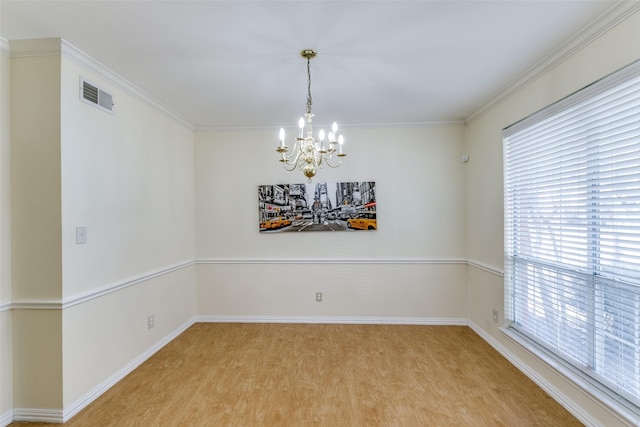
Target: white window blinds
point(572, 230)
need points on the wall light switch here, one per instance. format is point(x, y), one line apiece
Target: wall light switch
point(81, 235)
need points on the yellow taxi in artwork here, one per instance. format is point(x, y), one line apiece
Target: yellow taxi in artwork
point(363, 221)
point(277, 222)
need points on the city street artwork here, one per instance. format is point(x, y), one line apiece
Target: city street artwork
point(323, 206)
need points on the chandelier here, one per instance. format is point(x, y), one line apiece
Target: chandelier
point(309, 154)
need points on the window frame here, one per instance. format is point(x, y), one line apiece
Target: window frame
point(626, 405)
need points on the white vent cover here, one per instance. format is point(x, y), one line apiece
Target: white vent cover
point(92, 94)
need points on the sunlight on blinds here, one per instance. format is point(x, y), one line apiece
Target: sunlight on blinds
point(572, 230)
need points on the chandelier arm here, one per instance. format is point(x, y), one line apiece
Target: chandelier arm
point(293, 166)
point(286, 161)
point(288, 158)
point(326, 160)
point(295, 153)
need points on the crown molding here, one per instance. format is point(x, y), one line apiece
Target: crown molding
point(615, 15)
point(58, 46)
point(363, 125)
point(79, 58)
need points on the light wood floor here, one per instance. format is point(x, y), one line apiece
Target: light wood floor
point(324, 375)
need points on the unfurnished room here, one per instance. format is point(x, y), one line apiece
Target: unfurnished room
point(328, 213)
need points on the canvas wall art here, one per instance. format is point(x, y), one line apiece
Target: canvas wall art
point(322, 206)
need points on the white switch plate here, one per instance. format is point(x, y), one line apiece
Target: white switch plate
point(81, 235)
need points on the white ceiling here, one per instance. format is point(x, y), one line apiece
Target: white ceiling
point(237, 63)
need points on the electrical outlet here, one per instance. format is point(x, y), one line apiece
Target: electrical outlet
point(495, 315)
point(318, 296)
point(151, 321)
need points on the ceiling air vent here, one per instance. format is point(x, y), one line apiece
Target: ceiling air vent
point(92, 94)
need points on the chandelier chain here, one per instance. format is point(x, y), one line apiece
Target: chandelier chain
point(309, 100)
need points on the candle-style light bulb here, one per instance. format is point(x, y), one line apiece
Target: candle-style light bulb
point(334, 128)
point(340, 141)
point(301, 126)
point(321, 135)
point(282, 137)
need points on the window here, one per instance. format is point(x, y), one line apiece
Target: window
point(572, 231)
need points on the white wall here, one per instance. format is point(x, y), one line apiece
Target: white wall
point(612, 50)
point(412, 267)
point(6, 345)
point(79, 317)
point(35, 177)
point(104, 338)
point(36, 219)
point(127, 177)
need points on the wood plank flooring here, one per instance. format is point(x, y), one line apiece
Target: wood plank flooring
point(324, 375)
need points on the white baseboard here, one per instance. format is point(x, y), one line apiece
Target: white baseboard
point(455, 321)
point(85, 400)
point(545, 385)
point(54, 416)
point(61, 416)
point(6, 418)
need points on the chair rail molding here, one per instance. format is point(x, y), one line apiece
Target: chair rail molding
point(92, 294)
